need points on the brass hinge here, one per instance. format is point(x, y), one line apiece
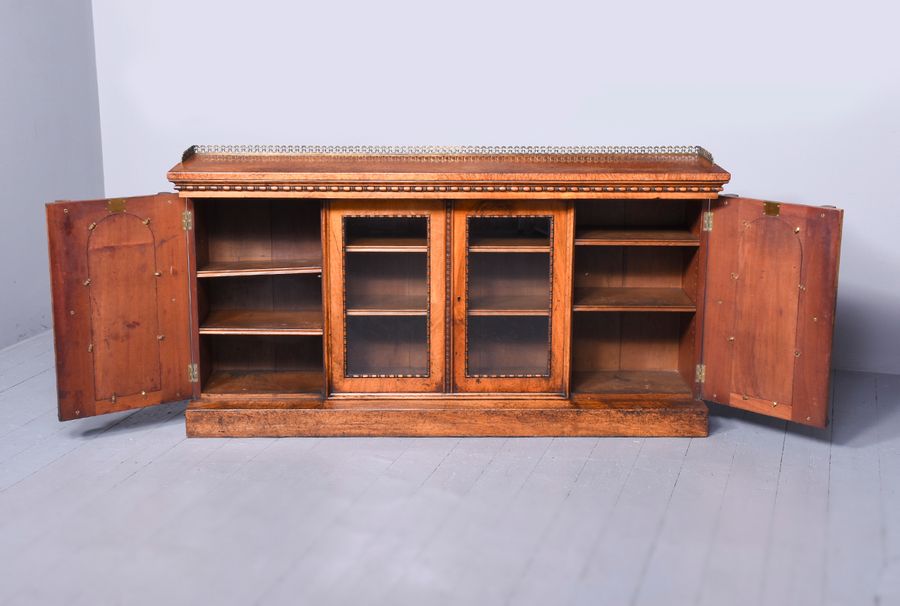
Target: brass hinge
point(700, 373)
point(193, 373)
point(707, 220)
point(187, 220)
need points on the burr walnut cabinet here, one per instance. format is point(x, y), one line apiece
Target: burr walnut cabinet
point(444, 291)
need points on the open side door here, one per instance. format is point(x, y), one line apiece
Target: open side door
point(120, 279)
point(771, 287)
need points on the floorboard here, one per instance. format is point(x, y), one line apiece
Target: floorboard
point(125, 509)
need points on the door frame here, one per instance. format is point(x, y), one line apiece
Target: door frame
point(436, 213)
point(560, 315)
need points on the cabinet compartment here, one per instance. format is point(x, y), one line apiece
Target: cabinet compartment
point(638, 223)
point(279, 304)
point(633, 353)
point(248, 237)
point(622, 278)
point(248, 365)
point(635, 295)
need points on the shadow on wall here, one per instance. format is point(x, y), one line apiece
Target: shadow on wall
point(867, 324)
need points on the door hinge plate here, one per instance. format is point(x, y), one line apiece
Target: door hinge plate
point(700, 373)
point(187, 220)
point(707, 220)
point(193, 373)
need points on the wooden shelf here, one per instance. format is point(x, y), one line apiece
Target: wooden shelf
point(388, 305)
point(509, 305)
point(632, 299)
point(261, 322)
point(251, 382)
point(635, 237)
point(626, 382)
point(223, 269)
point(506, 245)
point(391, 244)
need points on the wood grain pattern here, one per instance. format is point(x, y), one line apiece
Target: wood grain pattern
point(632, 299)
point(556, 284)
point(622, 382)
point(262, 322)
point(635, 237)
point(396, 244)
point(256, 382)
point(474, 176)
point(649, 286)
point(384, 276)
point(121, 304)
point(223, 269)
point(771, 289)
point(664, 418)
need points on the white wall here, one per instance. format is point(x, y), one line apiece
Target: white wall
point(49, 144)
point(799, 100)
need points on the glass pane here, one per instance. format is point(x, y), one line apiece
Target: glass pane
point(386, 281)
point(509, 281)
point(527, 230)
point(386, 296)
point(387, 345)
point(399, 230)
point(508, 346)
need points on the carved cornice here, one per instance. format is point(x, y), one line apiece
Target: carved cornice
point(468, 187)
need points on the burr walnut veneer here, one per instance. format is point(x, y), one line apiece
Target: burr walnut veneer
point(436, 291)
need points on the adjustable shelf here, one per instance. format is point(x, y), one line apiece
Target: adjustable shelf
point(268, 267)
point(632, 299)
point(388, 305)
point(509, 245)
point(262, 322)
point(635, 237)
point(387, 244)
point(495, 304)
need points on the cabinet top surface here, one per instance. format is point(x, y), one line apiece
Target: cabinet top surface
point(205, 167)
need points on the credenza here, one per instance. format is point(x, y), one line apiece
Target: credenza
point(437, 291)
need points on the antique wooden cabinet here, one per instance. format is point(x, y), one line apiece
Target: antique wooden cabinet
point(444, 291)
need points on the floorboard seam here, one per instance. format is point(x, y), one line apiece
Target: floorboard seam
point(533, 556)
point(709, 547)
point(389, 590)
point(66, 453)
point(587, 561)
point(770, 533)
point(658, 530)
point(25, 380)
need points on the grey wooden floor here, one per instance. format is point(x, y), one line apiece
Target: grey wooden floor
point(124, 509)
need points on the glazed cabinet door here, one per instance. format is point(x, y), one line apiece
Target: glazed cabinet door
point(769, 313)
point(386, 270)
point(120, 280)
point(511, 297)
